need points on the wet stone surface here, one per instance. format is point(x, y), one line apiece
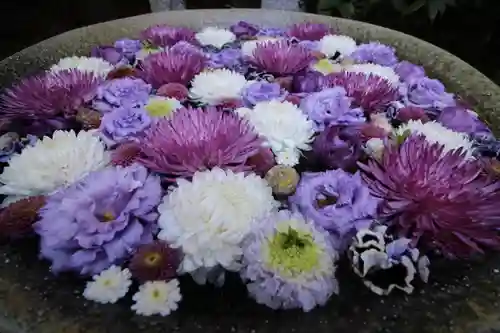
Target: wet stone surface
point(460, 298)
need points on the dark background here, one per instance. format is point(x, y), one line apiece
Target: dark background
point(468, 31)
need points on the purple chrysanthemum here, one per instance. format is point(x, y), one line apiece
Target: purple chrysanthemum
point(309, 31)
point(440, 199)
point(338, 147)
point(171, 67)
point(163, 35)
point(289, 263)
point(199, 139)
point(244, 29)
point(370, 92)
point(49, 97)
point(281, 57)
point(337, 201)
point(99, 221)
point(375, 53)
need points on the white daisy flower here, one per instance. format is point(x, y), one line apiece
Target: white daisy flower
point(283, 124)
point(330, 45)
point(215, 86)
point(159, 107)
point(157, 298)
point(209, 216)
point(98, 66)
point(384, 72)
point(52, 163)
point(434, 132)
point(215, 37)
point(108, 286)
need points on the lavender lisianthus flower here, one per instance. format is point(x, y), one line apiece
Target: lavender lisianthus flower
point(99, 221)
point(110, 54)
point(462, 120)
point(375, 53)
point(124, 124)
point(262, 91)
point(307, 82)
point(408, 71)
point(128, 47)
point(429, 94)
point(226, 58)
point(309, 44)
point(244, 29)
point(288, 262)
point(337, 201)
point(331, 106)
point(338, 147)
point(121, 92)
point(271, 32)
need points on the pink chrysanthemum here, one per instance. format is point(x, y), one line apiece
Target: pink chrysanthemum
point(200, 139)
point(370, 92)
point(309, 31)
point(171, 67)
point(163, 35)
point(49, 95)
point(281, 57)
point(443, 201)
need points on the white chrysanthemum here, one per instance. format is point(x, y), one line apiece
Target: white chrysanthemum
point(329, 45)
point(213, 87)
point(434, 132)
point(283, 124)
point(108, 286)
point(98, 66)
point(53, 163)
point(215, 37)
point(209, 216)
point(288, 157)
point(385, 72)
point(157, 298)
point(375, 148)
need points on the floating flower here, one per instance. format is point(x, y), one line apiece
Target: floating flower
point(427, 93)
point(462, 120)
point(126, 154)
point(122, 72)
point(271, 32)
point(215, 37)
point(308, 31)
point(45, 97)
point(283, 125)
point(124, 124)
point(11, 143)
point(337, 147)
point(374, 147)
point(261, 91)
point(109, 54)
point(408, 71)
point(99, 221)
point(117, 93)
point(215, 209)
point(337, 201)
point(108, 286)
point(159, 107)
point(331, 106)
point(434, 132)
point(16, 220)
point(337, 46)
point(371, 92)
point(195, 140)
point(171, 67)
point(163, 35)
point(408, 113)
point(386, 73)
point(227, 58)
point(89, 119)
point(216, 86)
point(157, 298)
point(95, 66)
point(375, 53)
point(53, 163)
point(128, 47)
point(154, 262)
point(173, 90)
point(281, 57)
point(289, 263)
point(435, 197)
point(248, 47)
point(244, 29)
point(308, 82)
point(282, 179)
point(386, 263)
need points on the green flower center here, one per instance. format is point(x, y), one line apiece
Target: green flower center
point(328, 200)
point(293, 252)
point(159, 108)
point(107, 217)
point(402, 137)
point(325, 66)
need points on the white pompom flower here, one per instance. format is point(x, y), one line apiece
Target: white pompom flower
point(216, 86)
point(208, 217)
point(211, 36)
point(330, 45)
point(384, 72)
point(108, 286)
point(97, 66)
point(285, 127)
point(157, 298)
point(434, 132)
point(53, 163)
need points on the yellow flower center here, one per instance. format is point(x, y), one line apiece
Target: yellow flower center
point(152, 259)
point(107, 217)
point(325, 66)
point(327, 201)
point(156, 294)
point(159, 108)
